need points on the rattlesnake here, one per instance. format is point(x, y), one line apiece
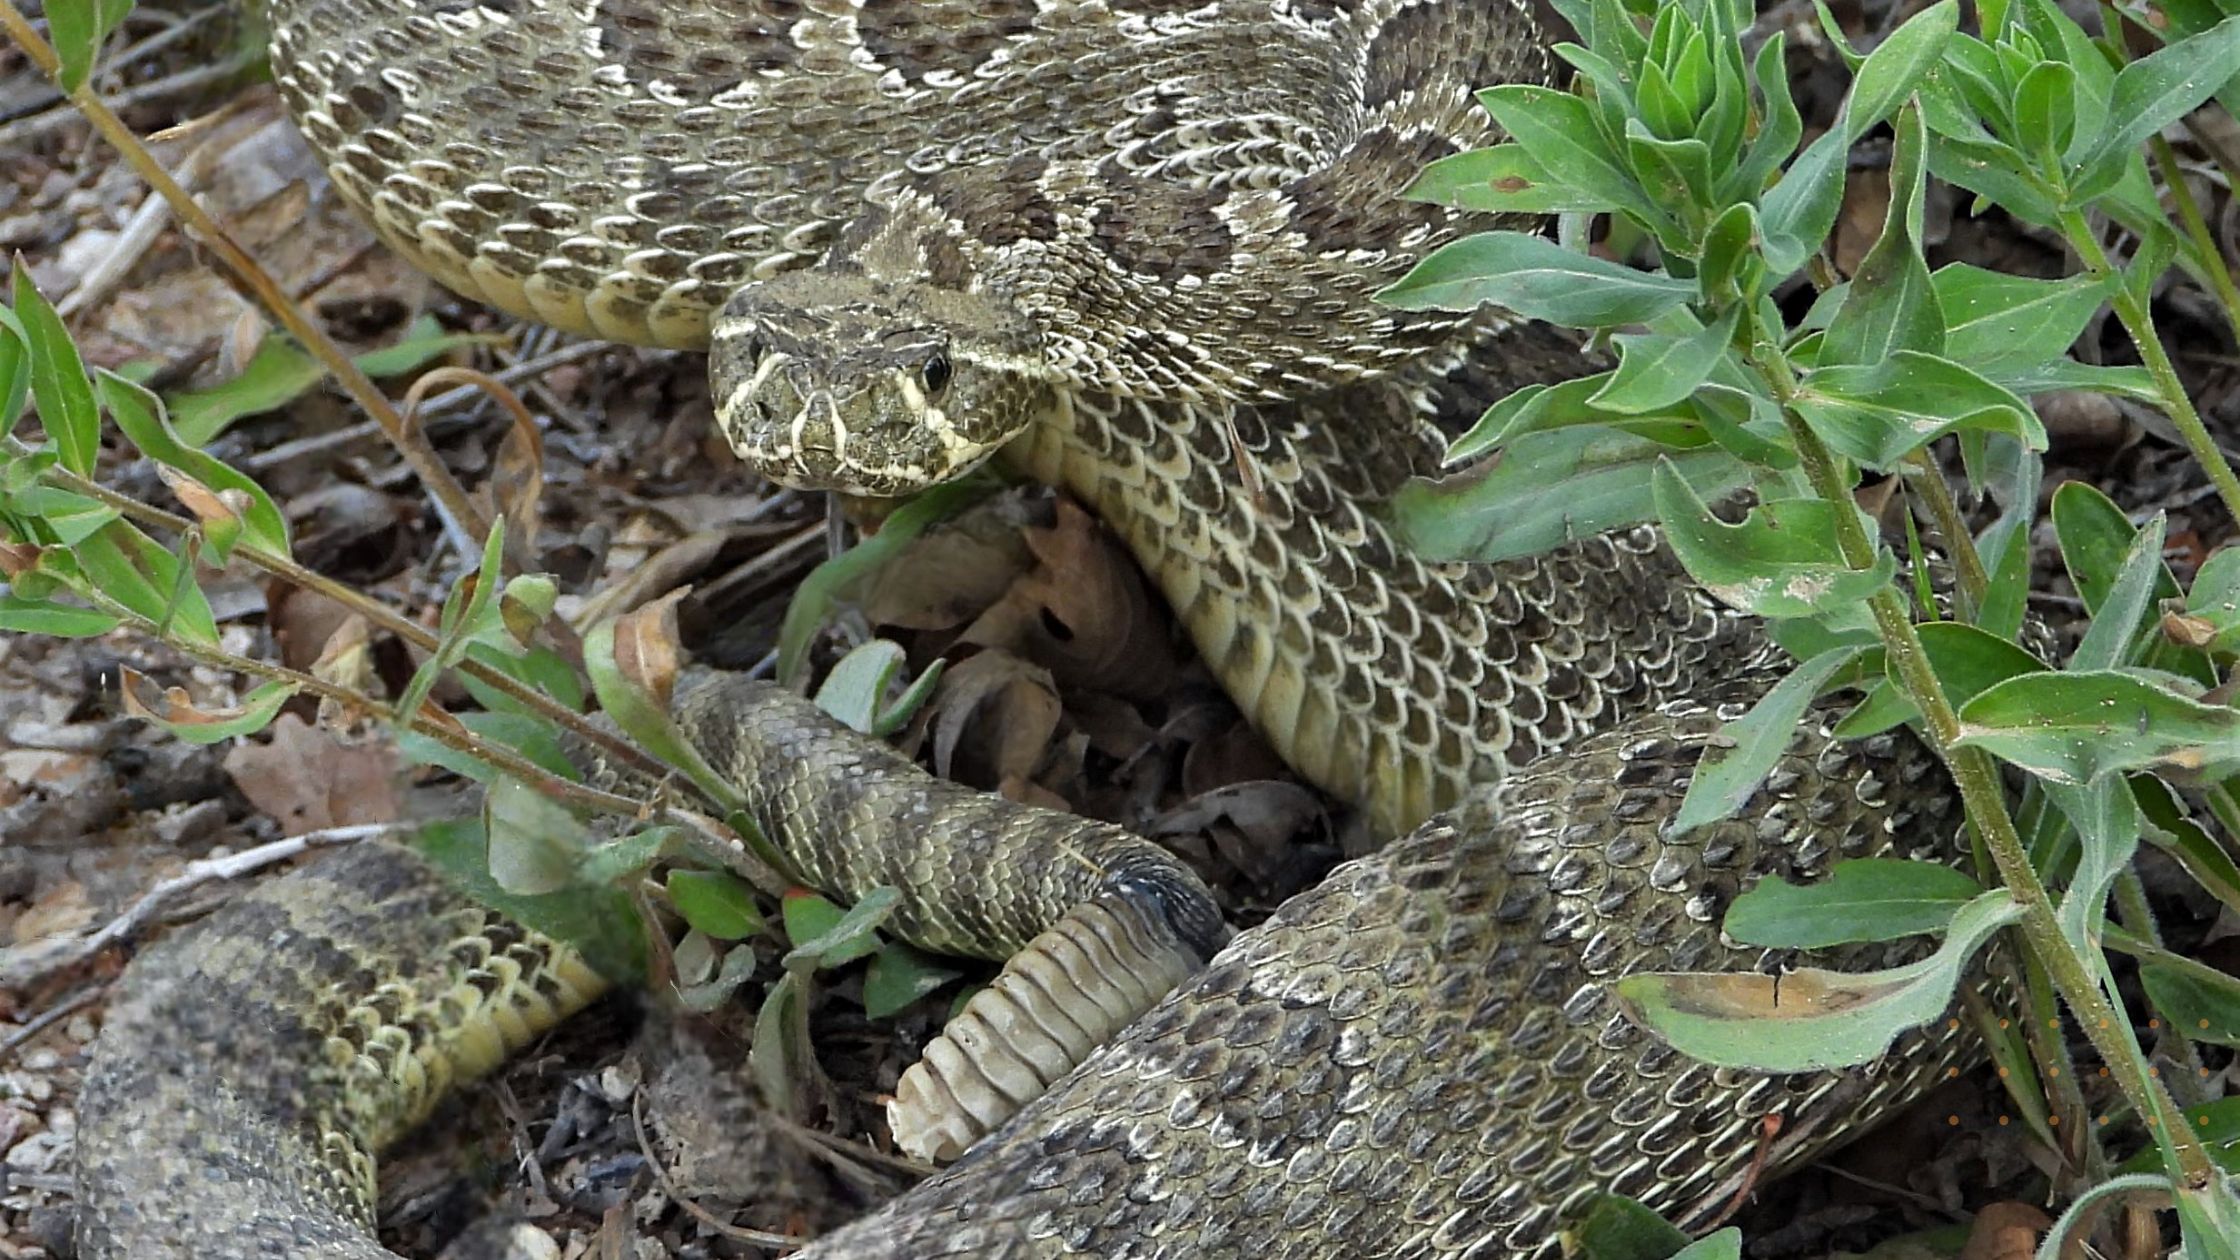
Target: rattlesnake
point(1130, 245)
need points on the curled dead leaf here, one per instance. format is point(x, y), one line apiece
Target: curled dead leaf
point(215, 508)
point(2187, 630)
point(648, 646)
point(994, 716)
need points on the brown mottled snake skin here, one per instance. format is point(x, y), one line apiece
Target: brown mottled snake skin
point(1130, 245)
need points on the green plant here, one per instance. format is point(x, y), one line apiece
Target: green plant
point(1693, 151)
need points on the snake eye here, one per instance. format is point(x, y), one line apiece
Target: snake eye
point(936, 373)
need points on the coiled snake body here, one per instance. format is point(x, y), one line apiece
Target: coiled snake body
point(1130, 244)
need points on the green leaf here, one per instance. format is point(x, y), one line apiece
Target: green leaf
point(139, 415)
point(1778, 130)
point(2201, 1003)
point(1730, 264)
point(281, 371)
point(736, 971)
point(779, 1055)
point(2114, 1188)
point(819, 593)
point(1657, 370)
point(1536, 278)
point(1966, 659)
point(1501, 180)
point(824, 937)
point(15, 371)
point(1748, 747)
point(1893, 302)
point(715, 902)
point(1864, 899)
point(2214, 601)
point(63, 621)
point(1617, 1228)
point(2166, 85)
point(598, 920)
point(2045, 109)
point(1780, 561)
point(2216, 1125)
point(900, 975)
point(58, 378)
point(464, 609)
point(78, 28)
point(2129, 603)
point(1799, 211)
point(855, 692)
point(1993, 318)
point(626, 857)
point(1547, 489)
point(2095, 536)
point(2209, 1219)
point(138, 573)
point(2075, 727)
point(1810, 1020)
point(1880, 413)
point(1892, 71)
point(1558, 131)
point(535, 841)
point(1997, 173)
point(1726, 1244)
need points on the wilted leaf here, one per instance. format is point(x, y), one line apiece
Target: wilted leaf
point(175, 711)
point(1810, 1020)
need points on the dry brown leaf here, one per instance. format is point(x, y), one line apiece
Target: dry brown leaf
point(307, 779)
point(1236, 754)
point(994, 717)
point(60, 911)
point(2010, 1231)
point(951, 575)
point(1083, 612)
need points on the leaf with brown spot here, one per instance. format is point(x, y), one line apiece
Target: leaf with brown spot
point(1810, 1020)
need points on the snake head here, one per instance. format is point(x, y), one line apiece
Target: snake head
point(830, 380)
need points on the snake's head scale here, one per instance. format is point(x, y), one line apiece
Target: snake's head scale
point(830, 380)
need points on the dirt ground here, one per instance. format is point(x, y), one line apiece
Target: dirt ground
point(625, 1137)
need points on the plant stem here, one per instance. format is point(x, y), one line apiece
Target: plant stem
point(706, 838)
point(381, 616)
point(461, 512)
point(2205, 246)
point(1928, 481)
point(1977, 778)
point(2139, 322)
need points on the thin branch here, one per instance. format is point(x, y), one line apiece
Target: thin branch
point(462, 515)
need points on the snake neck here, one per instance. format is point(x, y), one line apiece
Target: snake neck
point(1391, 683)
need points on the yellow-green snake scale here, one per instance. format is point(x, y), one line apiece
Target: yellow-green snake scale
point(1134, 242)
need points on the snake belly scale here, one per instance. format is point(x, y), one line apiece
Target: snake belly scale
point(1127, 247)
